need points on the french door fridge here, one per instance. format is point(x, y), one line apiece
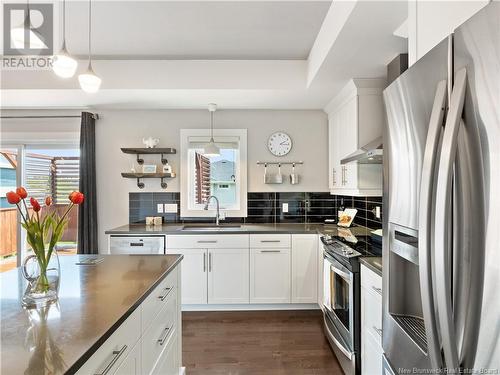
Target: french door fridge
point(441, 276)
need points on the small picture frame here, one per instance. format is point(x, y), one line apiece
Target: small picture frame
point(149, 168)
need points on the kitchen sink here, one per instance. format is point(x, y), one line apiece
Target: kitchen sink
point(212, 227)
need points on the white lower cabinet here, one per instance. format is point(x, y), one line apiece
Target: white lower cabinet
point(304, 268)
point(228, 276)
point(227, 269)
point(194, 275)
point(131, 365)
point(169, 362)
point(371, 360)
point(371, 322)
point(141, 347)
point(270, 275)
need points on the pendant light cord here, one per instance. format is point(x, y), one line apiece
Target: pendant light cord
point(212, 125)
point(90, 26)
point(64, 23)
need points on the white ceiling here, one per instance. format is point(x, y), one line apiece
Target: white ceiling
point(239, 54)
point(253, 30)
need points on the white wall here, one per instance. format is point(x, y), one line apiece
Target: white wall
point(115, 129)
point(429, 22)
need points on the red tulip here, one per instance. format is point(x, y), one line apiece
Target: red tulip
point(35, 205)
point(48, 201)
point(22, 192)
point(13, 197)
point(76, 197)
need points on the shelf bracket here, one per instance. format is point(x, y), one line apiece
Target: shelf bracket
point(163, 184)
point(163, 160)
point(140, 184)
point(140, 160)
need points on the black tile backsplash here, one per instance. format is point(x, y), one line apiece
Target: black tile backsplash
point(303, 207)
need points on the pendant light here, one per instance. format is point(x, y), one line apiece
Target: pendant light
point(63, 64)
point(18, 33)
point(211, 149)
point(89, 81)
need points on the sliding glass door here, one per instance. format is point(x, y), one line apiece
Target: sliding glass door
point(44, 170)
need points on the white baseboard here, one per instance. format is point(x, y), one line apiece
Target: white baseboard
point(252, 307)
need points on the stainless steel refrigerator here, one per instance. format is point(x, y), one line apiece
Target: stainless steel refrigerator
point(441, 277)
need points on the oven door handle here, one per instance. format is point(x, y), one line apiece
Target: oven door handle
point(337, 339)
point(338, 268)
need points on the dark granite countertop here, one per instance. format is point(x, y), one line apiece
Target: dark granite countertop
point(373, 263)
point(225, 229)
point(93, 302)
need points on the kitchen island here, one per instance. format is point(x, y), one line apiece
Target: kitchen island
point(120, 314)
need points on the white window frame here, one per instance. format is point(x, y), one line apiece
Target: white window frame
point(185, 170)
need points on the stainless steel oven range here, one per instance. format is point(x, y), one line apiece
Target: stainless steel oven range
point(341, 296)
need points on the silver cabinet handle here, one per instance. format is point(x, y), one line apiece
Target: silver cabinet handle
point(209, 262)
point(164, 335)
point(334, 172)
point(425, 210)
point(207, 241)
point(204, 262)
point(270, 241)
point(270, 251)
point(136, 243)
point(378, 330)
point(167, 291)
point(378, 290)
point(116, 354)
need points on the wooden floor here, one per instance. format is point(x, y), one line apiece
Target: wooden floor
point(256, 342)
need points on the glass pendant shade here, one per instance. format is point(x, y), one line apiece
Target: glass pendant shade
point(63, 64)
point(211, 149)
point(89, 82)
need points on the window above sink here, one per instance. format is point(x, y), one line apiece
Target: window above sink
point(223, 176)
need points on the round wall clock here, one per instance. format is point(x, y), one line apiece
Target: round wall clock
point(279, 144)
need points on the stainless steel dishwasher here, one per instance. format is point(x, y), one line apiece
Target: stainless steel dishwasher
point(146, 244)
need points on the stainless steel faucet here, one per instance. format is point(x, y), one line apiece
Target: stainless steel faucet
point(217, 215)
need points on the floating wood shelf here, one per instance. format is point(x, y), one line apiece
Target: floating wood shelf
point(149, 151)
point(140, 176)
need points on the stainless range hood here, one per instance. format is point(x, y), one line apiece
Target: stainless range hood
point(370, 153)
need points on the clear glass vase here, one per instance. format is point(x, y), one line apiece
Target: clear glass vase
point(43, 280)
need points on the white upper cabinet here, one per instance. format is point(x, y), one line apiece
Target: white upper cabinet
point(355, 117)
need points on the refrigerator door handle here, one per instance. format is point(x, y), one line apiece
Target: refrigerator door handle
point(443, 192)
point(426, 205)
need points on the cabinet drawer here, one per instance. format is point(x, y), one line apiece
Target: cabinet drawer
point(169, 363)
point(159, 333)
point(158, 298)
point(115, 349)
point(370, 280)
point(210, 241)
point(371, 316)
point(270, 240)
